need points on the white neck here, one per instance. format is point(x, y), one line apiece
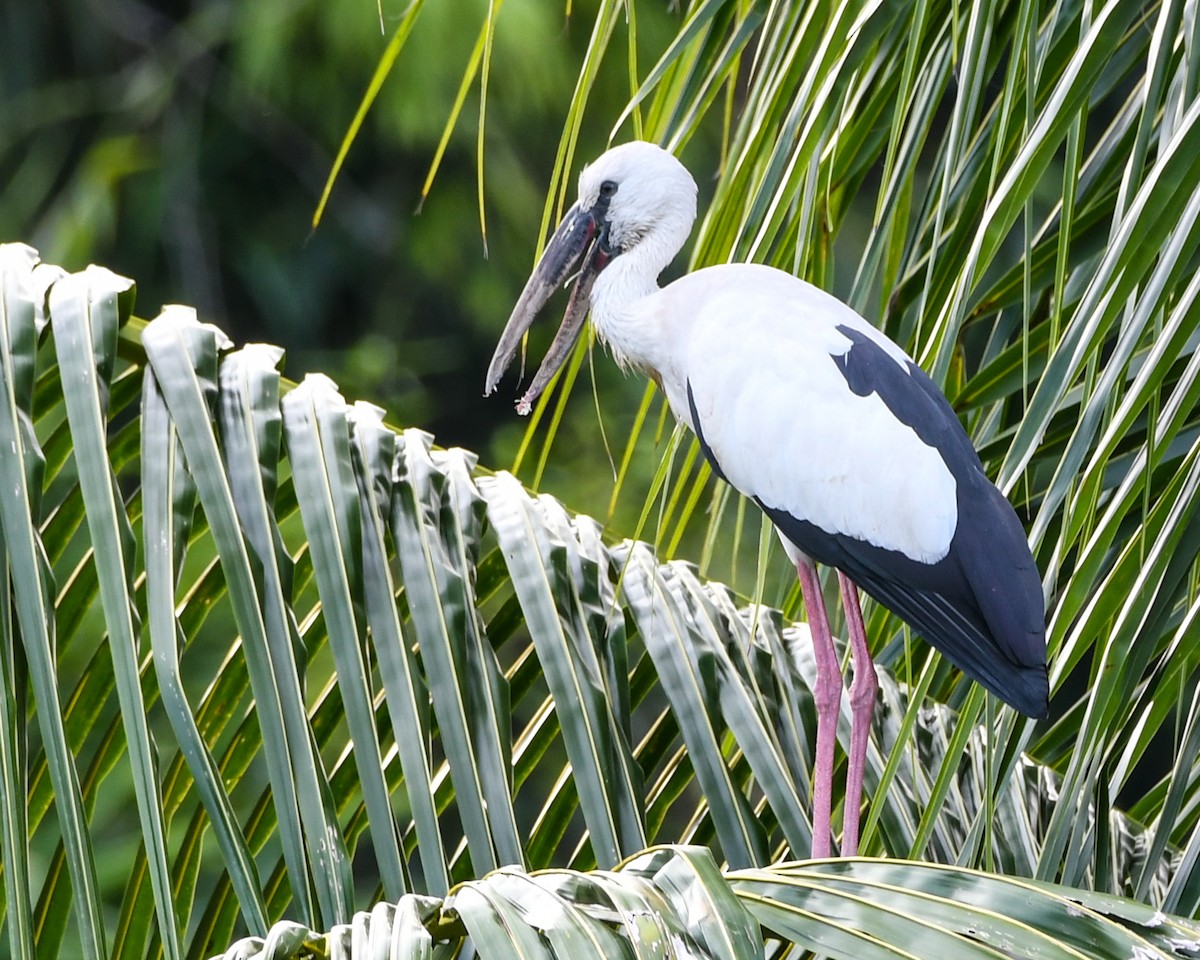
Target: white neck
point(622, 298)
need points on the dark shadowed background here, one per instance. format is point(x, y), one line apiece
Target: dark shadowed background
point(186, 145)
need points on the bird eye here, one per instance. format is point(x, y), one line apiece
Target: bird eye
point(608, 188)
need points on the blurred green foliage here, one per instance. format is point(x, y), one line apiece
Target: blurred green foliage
point(186, 145)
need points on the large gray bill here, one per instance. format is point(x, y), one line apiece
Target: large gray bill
point(559, 258)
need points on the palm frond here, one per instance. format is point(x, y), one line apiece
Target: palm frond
point(1010, 191)
point(347, 630)
point(379, 673)
point(673, 901)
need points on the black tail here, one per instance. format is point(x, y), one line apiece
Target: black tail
point(980, 605)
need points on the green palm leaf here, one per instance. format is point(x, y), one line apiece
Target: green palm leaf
point(386, 679)
point(576, 654)
point(1033, 187)
point(672, 901)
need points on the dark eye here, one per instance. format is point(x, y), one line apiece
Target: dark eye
point(608, 188)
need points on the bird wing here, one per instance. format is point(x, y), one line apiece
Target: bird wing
point(861, 463)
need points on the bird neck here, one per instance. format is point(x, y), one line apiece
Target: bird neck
point(623, 297)
point(620, 311)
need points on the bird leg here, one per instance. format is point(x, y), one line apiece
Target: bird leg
point(863, 691)
point(827, 696)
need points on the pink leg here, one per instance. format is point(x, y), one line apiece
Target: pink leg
point(862, 706)
point(827, 695)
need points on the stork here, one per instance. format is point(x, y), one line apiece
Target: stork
point(800, 404)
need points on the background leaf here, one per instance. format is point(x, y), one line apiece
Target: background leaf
point(1008, 190)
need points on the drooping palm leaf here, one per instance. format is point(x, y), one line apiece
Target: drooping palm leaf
point(674, 902)
point(563, 704)
point(595, 691)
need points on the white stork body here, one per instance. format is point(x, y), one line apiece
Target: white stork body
point(774, 386)
point(803, 406)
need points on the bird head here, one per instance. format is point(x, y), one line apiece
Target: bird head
point(636, 196)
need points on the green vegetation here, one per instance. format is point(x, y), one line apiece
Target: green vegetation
point(270, 660)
